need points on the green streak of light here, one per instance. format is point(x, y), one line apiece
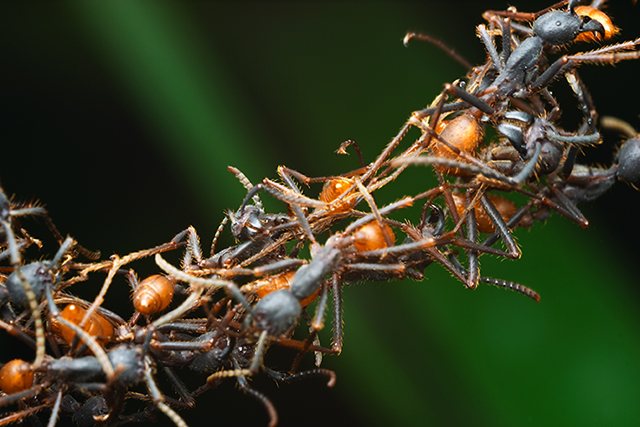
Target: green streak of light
point(178, 89)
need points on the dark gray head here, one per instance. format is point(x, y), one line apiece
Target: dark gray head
point(277, 312)
point(629, 160)
point(212, 360)
point(38, 275)
point(246, 223)
point(557, 27)
point(130, 363)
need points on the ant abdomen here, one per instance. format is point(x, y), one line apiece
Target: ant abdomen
point(334, 189)
point(97, 326)
point(153, 294)
point(371, 237)
point(265, 286)
point(16, 376)
point(464, 132)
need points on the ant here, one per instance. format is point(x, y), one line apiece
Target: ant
point(517, 75)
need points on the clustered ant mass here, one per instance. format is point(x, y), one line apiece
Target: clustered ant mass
point(241, 300)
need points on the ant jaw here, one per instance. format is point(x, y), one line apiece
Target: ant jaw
point(593, 26)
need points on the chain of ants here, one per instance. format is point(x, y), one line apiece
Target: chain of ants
point(237, 303)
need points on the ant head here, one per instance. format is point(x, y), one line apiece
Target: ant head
point(37, 274)
point(246, 223)
point(557, 27)
point(433, 224)
point(629, 160)
point(129, 363)
point(217, 356)
point(277, 312)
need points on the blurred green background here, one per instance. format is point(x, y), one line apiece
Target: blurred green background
point(122, 117)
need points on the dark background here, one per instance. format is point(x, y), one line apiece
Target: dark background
point(121, 117)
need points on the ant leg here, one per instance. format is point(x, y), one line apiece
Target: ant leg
point(606, 55)
point(472, 100)
point(14, 253)
point(92, 255)
point(478, 168)
point(439, 44)
point(18, 332)
point(411, 152)
point(21, 244)
point(253, 368)
point(31, 298)
point(197, 287)
point(505, 29)
point(316, 326)
point(193, 250)
point(490, 46)
point(343, 150)
point(511, 223)
point(158, 399)
point(374, 209)
point(429, 111)
point(244, 386)
point(503, 229)
point(400, 204)
point(338, 333)
point(513, 286)
point(501, 283)
point(522, 16)
point(9, 399)
point(472, 255)
point(287, 195)
point(21, 415)
point(382, 158)
point(616, 125)
point(289, 378)
point(588, 110)
point(299, 212)
point(246, 184)
point(585, 101)
point(179, 387)
point(193, 245)
point(116, 262)
point(295, 201)
point(214, 242)
point(55, 410)
point(42, 212)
